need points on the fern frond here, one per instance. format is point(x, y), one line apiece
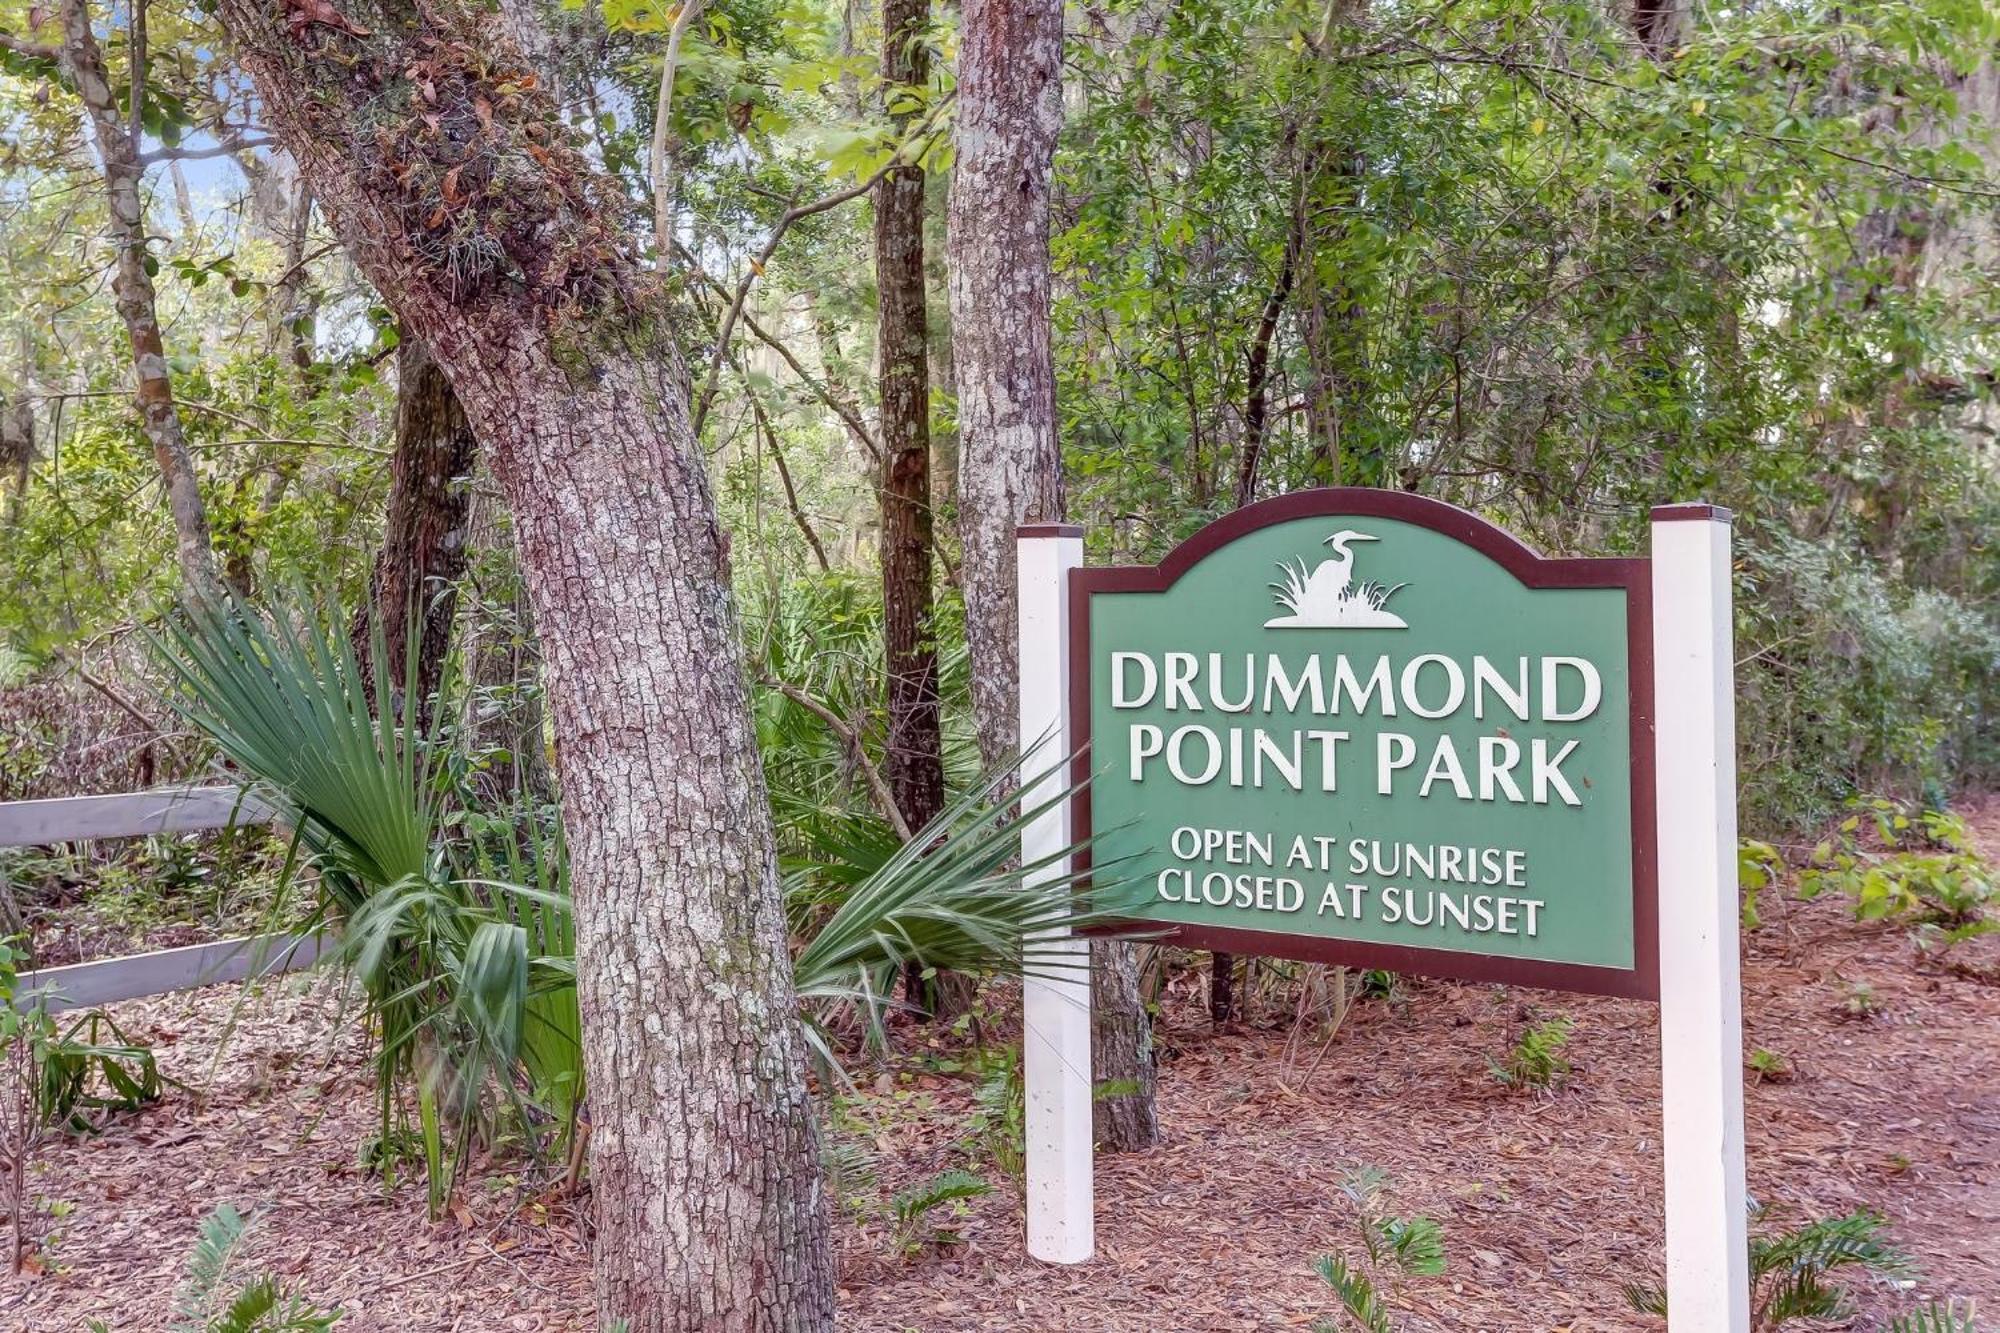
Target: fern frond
point(1646, 1298)
point(1948, 1317)
point(947, 1187)
point(215, 1249)
point(1357, 1294)
point(1416, 1244)
point(1803, 1296)
point(1828, 1243)
point(246, 1313)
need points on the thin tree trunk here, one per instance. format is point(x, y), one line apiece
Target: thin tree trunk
point(497, 242)
point(915, 754)
point(1010, 468)
point(1257, 374)
point(132, 287)
point(415, 580)
point(1221, 988)
point(1010, 454)
point(792, 505)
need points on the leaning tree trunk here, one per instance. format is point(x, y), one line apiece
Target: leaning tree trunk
point(1010, 458)
point(415, 579)
point(915, 744)
point(449, 173)
point(132, 287)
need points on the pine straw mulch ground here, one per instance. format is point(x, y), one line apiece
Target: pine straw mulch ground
point(1550, 1203)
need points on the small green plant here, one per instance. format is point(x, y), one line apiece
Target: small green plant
point(1861, 1001)
point(1770, 1067)
point(849, 1169)
point(1794, 1271)
point(217, 1297)
point(1000, 1124)
point(1537, 1059)
point(1945, 1317)
point(25, 1031)
point(1757, 866)
point(84, 1076)
point(1379, 983)
point(916, 1229)
point(1395, 1248)
point(1922, 870)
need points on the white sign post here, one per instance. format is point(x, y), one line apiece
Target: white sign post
point(1701, 995)
point(1055, 1000)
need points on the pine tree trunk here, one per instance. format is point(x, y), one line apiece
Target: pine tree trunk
point(915, 745)
point(415, 579)
point(449, 173)
point(132, 288)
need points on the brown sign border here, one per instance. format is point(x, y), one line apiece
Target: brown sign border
point(1634, 575)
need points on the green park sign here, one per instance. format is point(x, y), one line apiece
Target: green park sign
point(1365, 728)
point(1368, 728)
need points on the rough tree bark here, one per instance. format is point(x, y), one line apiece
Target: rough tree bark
point(1010, 456)
point(17, 451)
point(1010, 468)
point(451, 177)
point(915, 744)
point(118, 153)
point(414, 582)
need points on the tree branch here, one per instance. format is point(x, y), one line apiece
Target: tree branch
point(660, 156)
point(878, 789)
point(841, 408)
point(166, 154)
point(796, 213)
point(21, 46)
point(785, 477)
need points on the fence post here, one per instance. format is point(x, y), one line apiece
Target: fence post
point(1055, 1040)
point(1701, 998)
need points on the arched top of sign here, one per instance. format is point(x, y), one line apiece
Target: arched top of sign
point(1531, 568)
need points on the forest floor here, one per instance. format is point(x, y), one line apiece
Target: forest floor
point(1549, 1202)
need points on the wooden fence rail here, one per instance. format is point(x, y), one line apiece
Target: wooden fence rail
point(137, 815)
point(128, 815)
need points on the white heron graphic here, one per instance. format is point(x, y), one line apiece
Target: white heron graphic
point(1327, 597)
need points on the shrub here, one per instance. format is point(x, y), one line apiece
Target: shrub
point(1394, 1248)
point(917, 1229)
point(1757, 866)
point(1867, 684)
point(1537, 1059)
point(1793, 1271)
point(1923, 870)
point(82, 1072)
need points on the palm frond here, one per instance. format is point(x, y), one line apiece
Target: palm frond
point(1937, 1317)
point(1358, 1296)
point(957, 897)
